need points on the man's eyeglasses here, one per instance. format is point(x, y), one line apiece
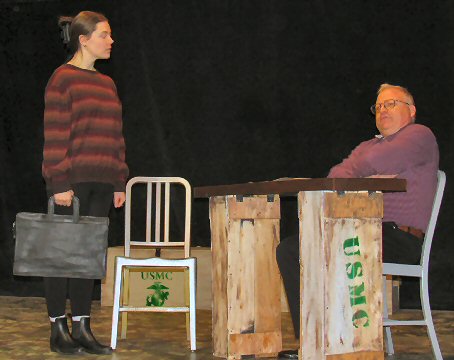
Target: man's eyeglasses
point(387, 104)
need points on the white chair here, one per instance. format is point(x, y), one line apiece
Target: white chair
point(123, 264)
point(422, 272)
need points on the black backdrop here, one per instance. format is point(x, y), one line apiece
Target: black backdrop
point(222, 91)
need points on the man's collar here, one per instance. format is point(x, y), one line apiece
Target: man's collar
point(380, 136)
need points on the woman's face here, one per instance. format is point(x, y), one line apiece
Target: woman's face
point(99, 44)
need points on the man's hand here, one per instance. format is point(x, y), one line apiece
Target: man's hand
point(64, 198)
point(119, 199)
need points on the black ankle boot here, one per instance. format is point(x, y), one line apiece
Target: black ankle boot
point(83, 335)
point(60, 339)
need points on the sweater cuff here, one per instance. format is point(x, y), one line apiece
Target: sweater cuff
point(120, 187)
point(60, 187)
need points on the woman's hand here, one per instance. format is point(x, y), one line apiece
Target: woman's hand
point(64, 198)
point(119, 199)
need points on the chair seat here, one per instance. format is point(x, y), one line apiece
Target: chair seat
point(402, 270)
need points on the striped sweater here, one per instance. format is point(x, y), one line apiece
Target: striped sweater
point(83, 140)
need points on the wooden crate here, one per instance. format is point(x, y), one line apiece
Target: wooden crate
point(246, 279)
point(341, 281)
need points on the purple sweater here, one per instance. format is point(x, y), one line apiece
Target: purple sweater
point(412, 154)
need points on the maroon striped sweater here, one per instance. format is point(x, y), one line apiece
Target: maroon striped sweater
point(83, 140)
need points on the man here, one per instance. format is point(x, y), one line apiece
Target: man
point(403, 149)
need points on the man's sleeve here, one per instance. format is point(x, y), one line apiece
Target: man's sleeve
point(412, 147)
point(351, 166)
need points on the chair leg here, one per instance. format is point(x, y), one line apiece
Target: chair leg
point(192, 304)
point(425, 302)
point(389, 338)
point(125, 301)
point(116, 306)
point(187, 301)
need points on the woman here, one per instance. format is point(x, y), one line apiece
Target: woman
point(84, 156)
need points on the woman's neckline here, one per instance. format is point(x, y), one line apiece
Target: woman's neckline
point(82, 69)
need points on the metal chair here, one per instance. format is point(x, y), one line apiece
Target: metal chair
point(422, 272)
point(123, 264)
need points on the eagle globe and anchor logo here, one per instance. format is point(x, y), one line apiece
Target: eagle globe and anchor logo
point(160, 292)
point(160, 295)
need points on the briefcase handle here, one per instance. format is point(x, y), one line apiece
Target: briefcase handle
point(51, 208)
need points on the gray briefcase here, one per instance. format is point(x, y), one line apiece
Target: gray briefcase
point(52, 245)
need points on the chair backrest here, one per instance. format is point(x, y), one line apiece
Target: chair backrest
point(158, 239)
point(433, 218)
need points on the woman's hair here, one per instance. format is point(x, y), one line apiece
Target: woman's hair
point(83, 24)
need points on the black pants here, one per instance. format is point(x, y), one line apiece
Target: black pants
point(398, 247)
point(95, 200)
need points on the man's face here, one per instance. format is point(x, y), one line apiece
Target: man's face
point(390, 121)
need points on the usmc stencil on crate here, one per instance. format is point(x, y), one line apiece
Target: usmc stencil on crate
point(354, 271)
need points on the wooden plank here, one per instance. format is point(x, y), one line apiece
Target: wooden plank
point(267, 282)
point(392, 294)
point(234, 357)
point(361, 355)
point(219, 254)
point(240, 276)
point(353, 205)
point(312, 281)
point(256, 207)
point(250, 344)
point(395, 301)
point(267, 355)
point(353, 283)
point(293, 186)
